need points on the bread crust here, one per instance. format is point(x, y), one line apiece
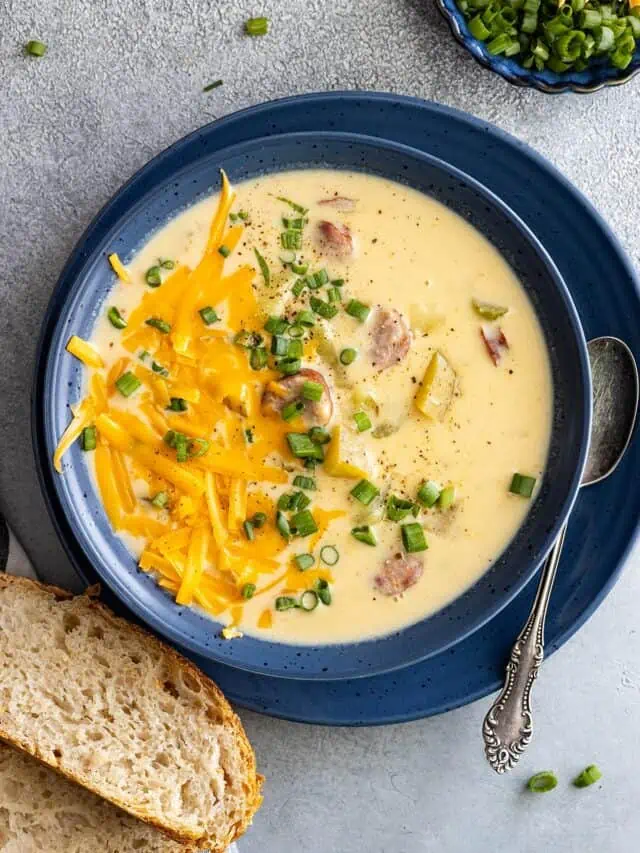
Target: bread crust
point(252, 781)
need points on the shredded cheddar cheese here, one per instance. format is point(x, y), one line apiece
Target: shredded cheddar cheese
point(84, 351)
point(119, 268)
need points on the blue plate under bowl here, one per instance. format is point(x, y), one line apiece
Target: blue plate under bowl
point(175, 180)
point(597, 75)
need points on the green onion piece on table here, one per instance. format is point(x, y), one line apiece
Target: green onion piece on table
point(159, 324)
point(264, 267)
point(365, 492)
point(542, 782)
point(208, 315)
point(116, 319)
point(523, 485)
point(304, 561)
point(428, 493)
point(257, 26)
point(36, 48)
point(362, 420)
point(348, 356)
point(589, 776)
point(89, 438)
point(364, 534)
point(413, 538)
point(248, 590)
point(127, 383)
point(210, 86)
point(329, 555)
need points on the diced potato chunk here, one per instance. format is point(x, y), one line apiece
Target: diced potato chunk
point(423, 319)
point(437, 388)
point(334, 466)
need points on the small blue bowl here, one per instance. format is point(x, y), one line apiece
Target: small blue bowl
point(599, 74)
point(166, 186)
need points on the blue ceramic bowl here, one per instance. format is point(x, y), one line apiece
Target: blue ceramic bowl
point(599, 74)
point(179, 177)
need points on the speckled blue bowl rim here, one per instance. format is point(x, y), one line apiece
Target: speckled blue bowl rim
point(79, 296)
point(599, 75)
point(605, 519)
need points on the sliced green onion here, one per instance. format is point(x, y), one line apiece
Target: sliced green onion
point(264, 267)
point(291, 240)
point(256, 26)
point(478, 29)
point(289, 366)
point(296, 224)
point(296, 331)
point(144, 355)
point(208, 315)
point(177, 404)
point(287, 257)
point(542, 782)
point(259, 519)
point(285, 602)
point(296, 348)
point(302, 446)
point(337, 282)
point(428, 493)
point(248, 590)
point(305, 318)
point(324, 309)
point(365, 534)
point(292, 410)
point(413, 538)
point(182, 447)
point(304, 523)
point(523, 485)
point(308, 600)
point(333, 294)
point(299, 269)
point(276, 325)
point(153, 276)
point(298, 287)
point(247, 526)
point(363, 423)
point(116, 319)
point(319, 435)
point(348, 356)
point(301, 482)
point(210, 86)
point(358, 310)
point(197, 447)
point(160, 500)
point(398, 508)
point(247, 340)
point(320, 277)
point(225, 251)
point(310, 463)
point(330, 555)
point(304, 561)
point(258, 358)
point(312, 391)
point(365, 492)
point(282, 524)
point(588, 776)
point(159, 324)
point(324, 593)
point(279, 345)
point(127, 383)
point(299, 501)
point(447, 497)
point(89, 438)
point(293, 205)
point(158, 368)
point(36, 48)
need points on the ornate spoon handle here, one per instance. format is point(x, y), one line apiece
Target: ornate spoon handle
point(508, 726)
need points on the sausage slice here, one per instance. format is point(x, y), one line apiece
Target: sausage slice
point(398, 573)
point(390, 338)
point(314, 413)
point(335, 238)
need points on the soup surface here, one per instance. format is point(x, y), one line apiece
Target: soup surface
point(403, 376)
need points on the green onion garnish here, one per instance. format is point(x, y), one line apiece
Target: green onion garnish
point(348, 356)
point(296, 348)
point(399, 508)
point(210, 86)
point(127, 383)
point(289, 366)
point(258, 358)
point(159, 324)
point(291, 240)
point(302, 446)
point(523, 485)
point(301, 482)
point(248, 590)
point(329, 554)
point(36, 48)
point(299, 269)
point(259, 519)
point(225, 251)
point(283, 525)
point(447, 497)
point(89, 438)
point(276, 325)
point(292, 410)
point(167, 264)
point(365, 492)
point(321, 586)
point(247, 527)
point(305, 318)
point(160, 500)
point(296, 331)
point(324, 309)
point(284, 502)
point(304, 561)
point(308, 600)
point(319, 435)
point(298, 287)
point(153, 277)
point(362, 420)
point(279, 345)
point(256, 26)
point(285, 602)
point(116, 319)
point(144, 355)
point(542, 782)
point(296, 224)
point(337, 282)
point(588, 776)
point(247, 340)
point(333, 294)
point(413, 538)
point(428, 493)
point(312, 391)
point(158, 368)
point(197, 447)
point(293, 205)
point(300, 500)
point(264, 267)
point(177, 404)
point(365, 534)
point(319, 278)
point(208, 315)
point(358, 310)
point(304, 523)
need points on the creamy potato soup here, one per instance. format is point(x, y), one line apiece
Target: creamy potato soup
point(318, 406)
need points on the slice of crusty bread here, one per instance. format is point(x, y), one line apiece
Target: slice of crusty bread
point(115, 710)
point(41, 812)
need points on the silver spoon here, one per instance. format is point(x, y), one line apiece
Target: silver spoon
point(508, 726)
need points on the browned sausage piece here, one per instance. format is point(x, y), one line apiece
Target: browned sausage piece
point(495, 342)
point(339, 202)
point(313, 413)
point(390, 338)
point(399, 572)
point(335, 238)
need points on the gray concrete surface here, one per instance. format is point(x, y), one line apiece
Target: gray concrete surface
point(122, 80)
